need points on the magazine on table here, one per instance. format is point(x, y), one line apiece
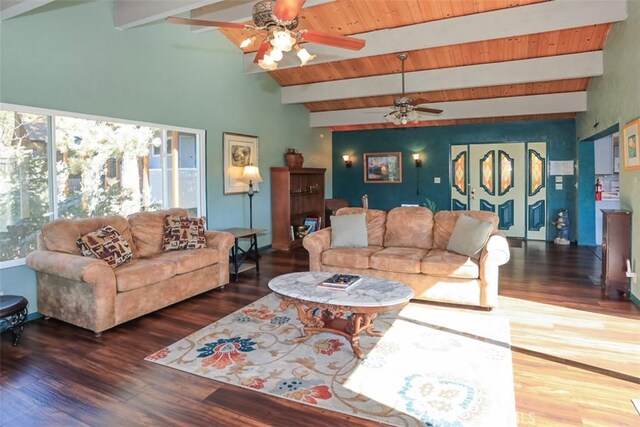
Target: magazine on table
point(340, 282)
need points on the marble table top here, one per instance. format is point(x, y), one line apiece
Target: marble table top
point(370, 292)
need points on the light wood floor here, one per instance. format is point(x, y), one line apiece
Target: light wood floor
point(576, 356)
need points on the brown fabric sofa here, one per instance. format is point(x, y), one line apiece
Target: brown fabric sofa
point(88, 293)
point(409, 244)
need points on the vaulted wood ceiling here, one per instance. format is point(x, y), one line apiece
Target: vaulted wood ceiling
point(478, 60)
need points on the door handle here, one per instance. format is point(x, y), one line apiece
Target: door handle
point(473, 193)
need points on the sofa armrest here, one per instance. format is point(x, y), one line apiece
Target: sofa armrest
point(496, 251)
point(315, 244)
point(222, 241)
point(72, 267)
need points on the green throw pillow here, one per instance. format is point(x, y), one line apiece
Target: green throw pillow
point(469, 236)
point(349, 231)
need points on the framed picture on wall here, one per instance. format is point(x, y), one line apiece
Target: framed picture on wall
point(238, 151)
point(630, 141)
point(383, 168)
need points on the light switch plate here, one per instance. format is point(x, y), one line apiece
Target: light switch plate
point(436, 180)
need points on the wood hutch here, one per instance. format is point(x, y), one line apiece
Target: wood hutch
point(296, 194)
point(616, 249)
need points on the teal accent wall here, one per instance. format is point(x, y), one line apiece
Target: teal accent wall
point(69, 56)
point(614, 99)
point(434, 145)
point(586, 200)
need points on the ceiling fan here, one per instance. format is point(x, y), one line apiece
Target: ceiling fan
point(279, 20)
point(405, 108)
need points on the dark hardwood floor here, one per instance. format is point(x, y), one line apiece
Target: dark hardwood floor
point(576, 356)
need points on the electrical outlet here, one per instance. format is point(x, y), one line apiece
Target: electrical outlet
point(436, 180)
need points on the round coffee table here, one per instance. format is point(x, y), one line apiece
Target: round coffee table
point(347, 313)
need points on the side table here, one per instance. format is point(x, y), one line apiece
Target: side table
point(13, 311)
point(239, 255)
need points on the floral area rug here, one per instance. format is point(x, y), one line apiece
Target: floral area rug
point(433, 366)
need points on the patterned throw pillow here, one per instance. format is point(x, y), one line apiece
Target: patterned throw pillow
point(105, 244)
point(183, 232)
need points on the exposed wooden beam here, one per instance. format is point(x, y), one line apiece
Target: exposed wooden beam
point(577, 65)
point(11, 8)
point(234, 11)
point(494, 107)
point(515, 21)
point(132, 13)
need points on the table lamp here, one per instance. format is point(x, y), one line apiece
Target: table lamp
point(250, 174)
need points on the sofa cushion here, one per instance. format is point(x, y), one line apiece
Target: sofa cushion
point(61, 235)
point(349, 231)
point(376, 223)
point(107, 245)
point(442, 263)
point(349, 257)
point(187, 261)
point(183, 232)
point(399, 260)
point(143, 272)
point(469, 236)
point(409, 227)
point(147, 230)
point(445, 222)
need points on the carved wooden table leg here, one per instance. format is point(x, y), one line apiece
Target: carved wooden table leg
point(318, 318)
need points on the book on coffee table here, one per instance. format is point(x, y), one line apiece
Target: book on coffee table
point(340, 282)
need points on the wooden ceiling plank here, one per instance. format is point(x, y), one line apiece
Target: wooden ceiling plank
point(439, 57)
point(539, 88)
point(586, 64)
point(535, 18)
point(12, 8)
point(513, 106)
point(128, 14)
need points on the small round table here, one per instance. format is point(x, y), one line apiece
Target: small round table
point(347, 313)
point(13, 311)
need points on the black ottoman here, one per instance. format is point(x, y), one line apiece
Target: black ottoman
point(13, 311)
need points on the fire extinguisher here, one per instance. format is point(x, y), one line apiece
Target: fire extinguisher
point(598, 189)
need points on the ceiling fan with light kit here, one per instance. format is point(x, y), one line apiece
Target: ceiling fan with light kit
point(277, 21)
point(405, 108)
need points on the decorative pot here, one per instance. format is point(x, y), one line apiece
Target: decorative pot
point(293, 159)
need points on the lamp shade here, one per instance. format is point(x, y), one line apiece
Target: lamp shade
point(250, 173)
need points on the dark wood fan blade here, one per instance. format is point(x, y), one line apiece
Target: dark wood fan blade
point(261, 51)
point(334, 40)
point(203, 23)
point(287, 10)
point(428, 110)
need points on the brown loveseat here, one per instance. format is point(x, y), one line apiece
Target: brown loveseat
point(88, 293)
point(409, 244)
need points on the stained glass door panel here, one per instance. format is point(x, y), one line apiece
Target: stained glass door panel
point(497, 183)
point(536, 191)
point(459, 178)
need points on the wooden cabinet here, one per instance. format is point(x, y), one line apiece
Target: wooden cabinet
point(616, 249)
point(295, 195)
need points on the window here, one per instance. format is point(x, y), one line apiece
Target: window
point(100, 167)
point(24, 181)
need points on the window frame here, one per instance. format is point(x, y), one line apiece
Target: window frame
point(52, 150)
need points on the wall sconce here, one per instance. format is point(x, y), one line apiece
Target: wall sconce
point(417, 159)
point(347, 161)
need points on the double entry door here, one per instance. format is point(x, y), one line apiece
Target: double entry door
point(508, 179)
